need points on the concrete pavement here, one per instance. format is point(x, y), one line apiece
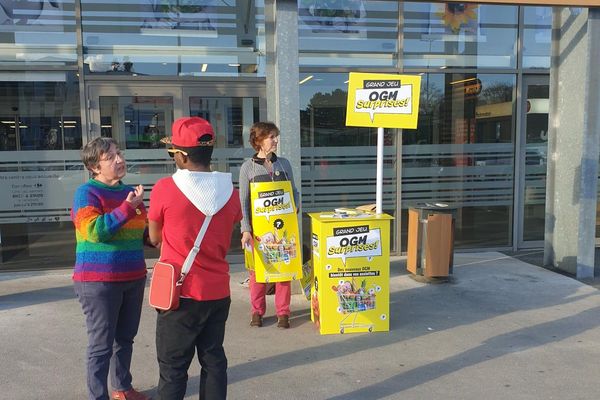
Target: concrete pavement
point(501, 329)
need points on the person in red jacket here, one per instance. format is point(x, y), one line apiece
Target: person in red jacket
point(178, 206)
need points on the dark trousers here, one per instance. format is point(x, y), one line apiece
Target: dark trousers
point(194, 326)
point(112, 315)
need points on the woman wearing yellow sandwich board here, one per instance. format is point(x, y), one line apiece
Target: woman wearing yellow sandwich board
point(270, 236)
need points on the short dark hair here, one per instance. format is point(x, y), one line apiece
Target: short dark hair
point(199, 155)
point(259, 131)
point(93, 151)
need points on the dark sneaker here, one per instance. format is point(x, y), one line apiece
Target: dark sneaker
point(130, 394)
point(283, 321)
point(256, 320)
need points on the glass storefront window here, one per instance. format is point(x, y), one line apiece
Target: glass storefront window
point(325, 29)
point(339, 162)
point(39, 114)
point(40, 138)
point(226, 114)
point(462, 154)
point(323, 114)
point(173, 37)
point(536, 155)
point(37, 245)
point(136, 122)
point(460, 35)
point(231, 119)
point(38, 32)
point(537, 37)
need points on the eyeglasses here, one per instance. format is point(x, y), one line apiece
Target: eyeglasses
point(172, 152)
point(111, 157)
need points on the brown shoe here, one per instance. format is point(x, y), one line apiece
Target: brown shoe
point(256, 320)
point(283, 321)
point(130, 394)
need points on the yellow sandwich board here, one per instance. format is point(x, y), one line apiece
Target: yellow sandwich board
point(351, 266)
point(276, 255)
point(383, 100)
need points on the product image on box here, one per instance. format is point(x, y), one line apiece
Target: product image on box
point(350, 259)
point(276, 249)
point(353, 299)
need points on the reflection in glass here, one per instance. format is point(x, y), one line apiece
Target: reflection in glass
point(323, 115)
point(173, 37)
point(459, 35)
point(537, 37)
point(228, 116)
point(536, 150)
point(326, 27)
point(38, 115)
point(136, 122)
point(339, 162)
point(44, 245)
point(462, 154)
point(40, 32)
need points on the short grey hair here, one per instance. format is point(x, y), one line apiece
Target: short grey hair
point(92, 152)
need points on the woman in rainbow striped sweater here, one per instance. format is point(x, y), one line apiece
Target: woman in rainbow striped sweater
point(110, 270)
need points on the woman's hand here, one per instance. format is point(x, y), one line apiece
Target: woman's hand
point(136, 197)
point(247, 241)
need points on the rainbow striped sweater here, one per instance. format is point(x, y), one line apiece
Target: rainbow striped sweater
point(109, 234)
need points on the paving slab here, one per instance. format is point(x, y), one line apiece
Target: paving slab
point(499, 329)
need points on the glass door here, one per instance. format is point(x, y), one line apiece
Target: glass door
point(533, 161)
point(138, 116)
point(231, 109)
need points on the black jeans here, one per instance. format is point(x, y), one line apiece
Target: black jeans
point(194, 326)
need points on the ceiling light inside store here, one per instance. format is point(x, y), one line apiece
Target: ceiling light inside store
point(204, 67)
point(234, 64)
point(462, 80)
point(308, 78)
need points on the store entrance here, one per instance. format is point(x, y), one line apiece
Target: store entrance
point(138, 116)
point(532, 158)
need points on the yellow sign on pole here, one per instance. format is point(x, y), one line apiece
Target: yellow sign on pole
point(383, 100)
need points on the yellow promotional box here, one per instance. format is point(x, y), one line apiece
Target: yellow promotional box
point(351, 266)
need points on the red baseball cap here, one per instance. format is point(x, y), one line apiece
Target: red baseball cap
point(187, 131)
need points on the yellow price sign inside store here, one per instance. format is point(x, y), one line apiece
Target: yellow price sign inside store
point(383, 100)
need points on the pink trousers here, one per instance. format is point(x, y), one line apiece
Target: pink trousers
point(283, 295)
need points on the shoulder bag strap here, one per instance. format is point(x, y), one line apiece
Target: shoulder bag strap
point(187, 264)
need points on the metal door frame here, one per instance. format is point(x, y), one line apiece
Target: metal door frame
point(520, 155)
